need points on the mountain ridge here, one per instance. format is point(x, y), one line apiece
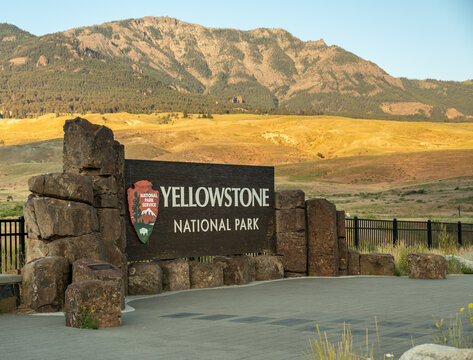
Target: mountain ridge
point(206, 69)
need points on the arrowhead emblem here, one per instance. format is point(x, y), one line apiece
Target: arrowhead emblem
point(143, 204)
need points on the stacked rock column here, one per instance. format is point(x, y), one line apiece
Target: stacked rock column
point(62, 227)
point(322, 239)
point(90, 150)
point(291, 240)
point(342, 244)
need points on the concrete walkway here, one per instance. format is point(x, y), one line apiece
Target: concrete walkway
point(264, 320)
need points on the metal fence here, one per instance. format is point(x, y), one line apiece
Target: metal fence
point(12, 244)
point(370, 234)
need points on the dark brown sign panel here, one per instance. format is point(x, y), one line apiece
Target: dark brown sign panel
point(203, 209)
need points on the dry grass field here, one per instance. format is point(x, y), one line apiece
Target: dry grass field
point(372, 168)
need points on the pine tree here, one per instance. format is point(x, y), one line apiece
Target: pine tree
point(136, 207)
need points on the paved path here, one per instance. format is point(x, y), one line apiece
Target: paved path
point(265, 320)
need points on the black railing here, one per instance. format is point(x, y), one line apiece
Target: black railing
point(12, 244)
point(367, 233)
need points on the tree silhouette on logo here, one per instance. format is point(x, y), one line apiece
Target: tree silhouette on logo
point(136, 207)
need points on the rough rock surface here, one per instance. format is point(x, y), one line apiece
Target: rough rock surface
point(63, 186)
point(291, 240)
point(268, 267)
point(342, 244)
point(353, 262)
point(292, 245)
point(437, 352)
point(59, 218)
point(427, 266)
point(91, 269)
point(205, 275)
point(290, 220)
point(30, 218)
point(289, 274)
point(289, 199)
point(322, 241)
point(111, 229)
point(100, 296)
point(145, 279)
point(377, 264)
point(237, 270)
point(90, 149)
point(105, 191)
point(71, 248)
point(44, 282)
point(175, 275)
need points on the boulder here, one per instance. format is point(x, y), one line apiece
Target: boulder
point(205, 275)
point(377, 264)
point(427, 266)
point(94, 301)
point(44, 282)
point(63, 186)
point(353, 262)
point(289, 199)
point(175, 275)
point(71, 248)
point(292, 246)
point(437, 352)
point(145, 279)
point(62, 218)
point(342, 243)
point(268, 267)
point(460, 263)
point(237, 270)
point(322, 241)
point(91, 269)
point(290, 220)
point(90, 149)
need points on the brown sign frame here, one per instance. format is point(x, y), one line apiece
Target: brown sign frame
point(233, 228)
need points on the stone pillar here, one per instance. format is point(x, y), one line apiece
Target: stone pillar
point(291, 240)
point(78, 213)
point(91, 150)
point(342, 244)
point(322, 240)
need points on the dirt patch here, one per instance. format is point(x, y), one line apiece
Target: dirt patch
point(19, 61)
point(406, 108)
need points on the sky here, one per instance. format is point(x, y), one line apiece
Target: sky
point(417, 39)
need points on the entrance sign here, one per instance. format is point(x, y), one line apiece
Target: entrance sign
point(204, 209)
point(143, 208)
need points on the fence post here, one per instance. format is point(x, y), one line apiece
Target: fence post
point(460, 241)
point(394, 231)
point(356, 231)
point(21, 235)
point(429, 234)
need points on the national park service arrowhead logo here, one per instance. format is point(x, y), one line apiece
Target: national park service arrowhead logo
point(143, 208)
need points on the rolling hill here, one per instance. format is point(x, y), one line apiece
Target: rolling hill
point(163, 64)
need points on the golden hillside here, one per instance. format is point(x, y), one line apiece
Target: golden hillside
point(253, 139)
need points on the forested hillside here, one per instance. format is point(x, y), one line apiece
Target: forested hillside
point(162, 64)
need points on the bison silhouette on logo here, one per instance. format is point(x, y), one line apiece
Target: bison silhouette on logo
point(143, 204)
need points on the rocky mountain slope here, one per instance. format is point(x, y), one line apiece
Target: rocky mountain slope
point(162, 63)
